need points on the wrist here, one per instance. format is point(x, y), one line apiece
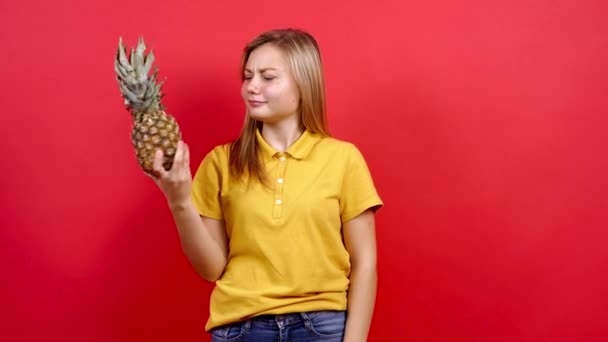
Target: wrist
point(180, 206)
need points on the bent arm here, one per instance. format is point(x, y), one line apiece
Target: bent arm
point(203, 241)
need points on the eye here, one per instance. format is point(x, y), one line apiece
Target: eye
point(269, 78)
point(247, 77)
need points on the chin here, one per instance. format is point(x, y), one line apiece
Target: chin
point(264, 117)
point(267, 116)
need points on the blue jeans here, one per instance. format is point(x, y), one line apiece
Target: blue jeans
point(326, 326)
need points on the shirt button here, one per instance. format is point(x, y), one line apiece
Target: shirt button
point(279, 202)
point(282, 158)
point(280, 180)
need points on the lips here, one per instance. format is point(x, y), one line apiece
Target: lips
point(255, 103)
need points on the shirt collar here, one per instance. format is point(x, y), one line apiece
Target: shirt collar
point(299, 149)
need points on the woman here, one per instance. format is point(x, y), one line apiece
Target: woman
point(281, 219)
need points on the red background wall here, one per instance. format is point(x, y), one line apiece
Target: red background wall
point(483, 123)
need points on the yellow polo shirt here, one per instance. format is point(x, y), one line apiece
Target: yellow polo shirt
point(286, 252)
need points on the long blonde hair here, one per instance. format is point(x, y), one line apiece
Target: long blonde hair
point(304, 57)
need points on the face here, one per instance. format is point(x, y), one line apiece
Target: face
point(269, 89)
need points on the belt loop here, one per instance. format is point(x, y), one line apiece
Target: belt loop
point(247, 324)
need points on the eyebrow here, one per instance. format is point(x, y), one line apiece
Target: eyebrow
point(262, 70)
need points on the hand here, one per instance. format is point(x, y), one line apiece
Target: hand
point(175, 183)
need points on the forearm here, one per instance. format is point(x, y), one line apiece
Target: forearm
point(361, 301)
point(203, 251)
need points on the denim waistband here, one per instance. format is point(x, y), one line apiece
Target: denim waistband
point(283, 319)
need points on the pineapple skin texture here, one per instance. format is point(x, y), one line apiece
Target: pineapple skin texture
point(156, 130)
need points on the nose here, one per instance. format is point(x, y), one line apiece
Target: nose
point(252, 85)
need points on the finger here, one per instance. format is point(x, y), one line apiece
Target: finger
point(179, 154)
point(186, 162)
point(158, 164)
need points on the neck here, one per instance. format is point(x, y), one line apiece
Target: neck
point(282, 134)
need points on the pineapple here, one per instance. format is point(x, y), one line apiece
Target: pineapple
point(152, 128)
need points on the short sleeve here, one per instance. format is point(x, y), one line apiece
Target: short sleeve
point(206, 186)
point(358, 190)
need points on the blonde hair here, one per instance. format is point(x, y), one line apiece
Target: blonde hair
point(304, 58)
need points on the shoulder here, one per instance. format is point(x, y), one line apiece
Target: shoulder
point(219, 152)
point(336, 144)
point(339, 148)
point(217, 158)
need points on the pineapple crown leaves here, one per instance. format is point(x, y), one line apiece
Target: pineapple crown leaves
point(141, 93)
